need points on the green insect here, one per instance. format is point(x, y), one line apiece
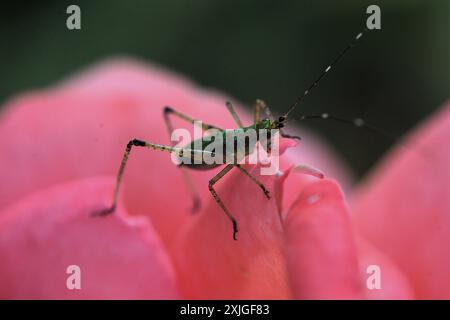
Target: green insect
point(189, 152)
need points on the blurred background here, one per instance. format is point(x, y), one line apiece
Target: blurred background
point(252, 49)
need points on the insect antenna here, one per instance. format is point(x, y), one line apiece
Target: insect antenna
point(356, 122)
point(324, 72)
point(409, 144)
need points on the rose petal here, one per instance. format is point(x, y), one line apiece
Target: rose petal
point(375, 267)
point(321, 253)
point(119, 257)
point(404, 208)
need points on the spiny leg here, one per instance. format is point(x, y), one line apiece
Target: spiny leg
point(169, 110)
point(216, 178)
point(259, 106)
point(265, 107)
point(196, 203)
point(137, 143)
point(257, 114)
point(234, 114)
point(255, 180)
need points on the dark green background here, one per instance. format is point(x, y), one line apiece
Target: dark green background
point(253, 49)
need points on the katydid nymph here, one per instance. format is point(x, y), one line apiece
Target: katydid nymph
point(189, 152)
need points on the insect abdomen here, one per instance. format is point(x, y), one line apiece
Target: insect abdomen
point(216, 153)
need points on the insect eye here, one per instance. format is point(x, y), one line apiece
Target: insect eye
point(281, 119)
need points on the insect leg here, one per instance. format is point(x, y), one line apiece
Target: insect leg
point(255, 180)
point(265, 107)
point(257, 115)
point(137, 143)
point(261, 105)
point(169, 110)
point(234, 114)
point(196, 203)
point(218, 200)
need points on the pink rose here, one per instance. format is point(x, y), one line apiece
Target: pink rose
point(61, 149)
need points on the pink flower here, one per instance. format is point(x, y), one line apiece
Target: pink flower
point(60, 152)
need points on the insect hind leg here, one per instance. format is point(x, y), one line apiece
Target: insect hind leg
point(130, 145)
point(234, 114)
point(196, 202)
point(123, 164)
